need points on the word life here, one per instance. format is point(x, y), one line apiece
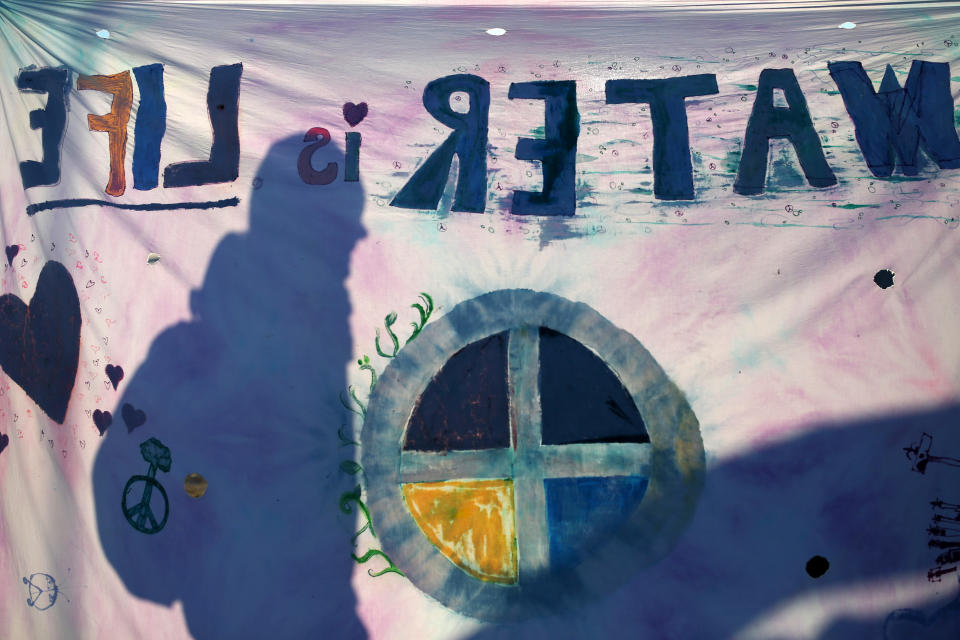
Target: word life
point(223, 96)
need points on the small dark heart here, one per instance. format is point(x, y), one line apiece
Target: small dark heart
point(12, 252)
point(89, 413)
point(133, 417)
point(98, 309)
point(90, 283)
point(4, 441)
point(102, 419)
point(115, 373)
point(106, 384)
point(354, 113)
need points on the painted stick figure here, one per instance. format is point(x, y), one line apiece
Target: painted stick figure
point(141, 516)
point(935, 575)
point(940, 504)
point(919, 455)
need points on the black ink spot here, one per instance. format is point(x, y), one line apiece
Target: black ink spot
point(220, 107)
point(884, 278)
point(817, 566)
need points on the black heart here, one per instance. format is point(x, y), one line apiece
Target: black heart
point(12, 252)
point(354, 113)
point(4, 441)
point(40, 343)
point(133, 417)
point(115, 373)
point(102, 419)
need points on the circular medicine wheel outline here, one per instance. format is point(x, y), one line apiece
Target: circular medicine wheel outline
point(673, 461)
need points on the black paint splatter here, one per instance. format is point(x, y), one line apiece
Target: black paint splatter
point(884, 278)
point(817, 566)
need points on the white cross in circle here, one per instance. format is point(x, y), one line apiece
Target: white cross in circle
point(528, 461)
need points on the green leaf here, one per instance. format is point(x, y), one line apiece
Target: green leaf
point(351, 467)
point(422, 312)
point(429, 302)
point(344, 440)
point(376, 553)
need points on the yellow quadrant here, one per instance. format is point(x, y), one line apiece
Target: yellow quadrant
point(471, 522)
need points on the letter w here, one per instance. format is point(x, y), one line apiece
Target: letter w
point(898, 120)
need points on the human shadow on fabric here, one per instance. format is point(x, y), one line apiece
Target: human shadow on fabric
point(843, 491)
point(245, 394)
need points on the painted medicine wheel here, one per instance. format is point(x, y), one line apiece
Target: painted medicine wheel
point(524, 453)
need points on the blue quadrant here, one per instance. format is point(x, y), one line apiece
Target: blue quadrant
point(582, 511)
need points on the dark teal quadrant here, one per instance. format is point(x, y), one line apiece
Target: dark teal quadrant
point(582, 400)
point(583, 512)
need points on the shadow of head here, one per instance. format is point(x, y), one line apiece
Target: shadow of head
point(245, 394)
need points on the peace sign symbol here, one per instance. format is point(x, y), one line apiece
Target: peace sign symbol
point(524, 453)
point(141, 515)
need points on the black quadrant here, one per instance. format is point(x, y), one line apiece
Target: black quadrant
point(465, 406)
point(582, 400)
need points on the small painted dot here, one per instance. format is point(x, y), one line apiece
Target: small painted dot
point(847, 25)
point(153, 258)
point(496, 31)
point(884, 278)
point(103, 33)
point(817, 566)
point(195, 485)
